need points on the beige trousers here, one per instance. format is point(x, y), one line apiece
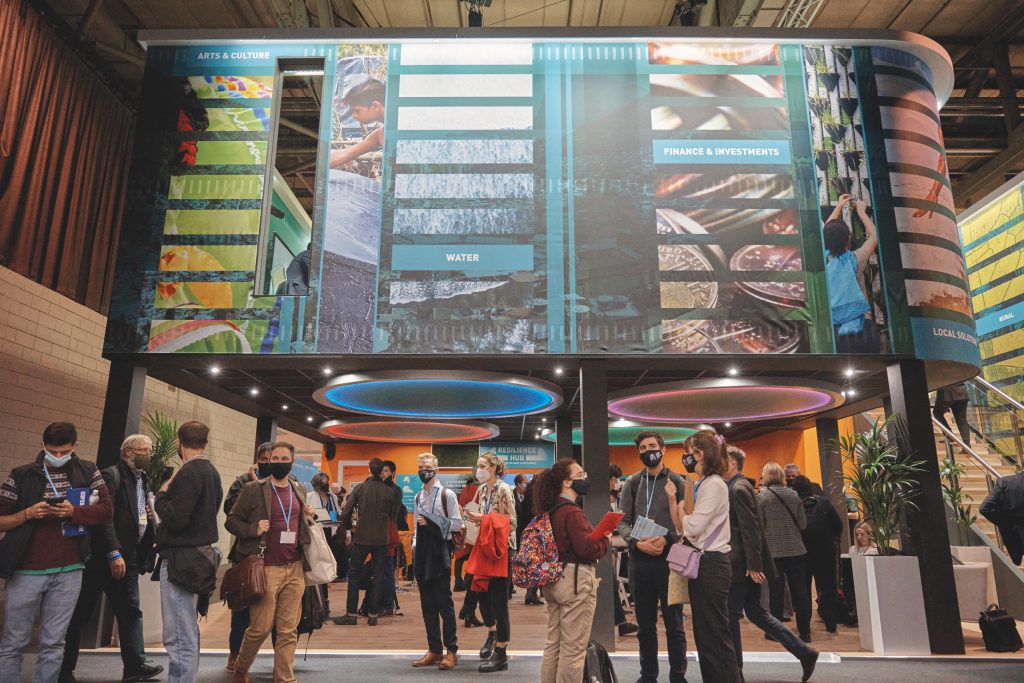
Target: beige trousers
point(280, 607)
point(570, 616)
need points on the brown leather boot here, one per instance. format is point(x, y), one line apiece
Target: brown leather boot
point(429, 659)
point(449, 661)
point(240, 676)
point(232, 656)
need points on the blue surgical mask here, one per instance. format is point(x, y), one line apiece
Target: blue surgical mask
point(56, 461)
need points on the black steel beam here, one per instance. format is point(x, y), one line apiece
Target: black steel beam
point(926, 522)
point(594, 420)
point(122, 409)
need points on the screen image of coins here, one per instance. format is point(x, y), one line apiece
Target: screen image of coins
point(771, 258)
point(751, 336)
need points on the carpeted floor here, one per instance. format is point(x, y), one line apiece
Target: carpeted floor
point(106, 667)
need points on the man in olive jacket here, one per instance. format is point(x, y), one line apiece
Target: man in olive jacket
point(271, 516)
point(376, 503)
point(752, 565)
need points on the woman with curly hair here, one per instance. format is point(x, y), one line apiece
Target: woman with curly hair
point(572, 599)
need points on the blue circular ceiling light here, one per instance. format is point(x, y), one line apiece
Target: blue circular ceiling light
point(446, 395)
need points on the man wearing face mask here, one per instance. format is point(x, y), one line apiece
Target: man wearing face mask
point(258, 471)
point(378, 504)
point(435, 516)
point(389, 599)
point(643, 495)
point(44, 550)
point(119, 555)
point(272, 516)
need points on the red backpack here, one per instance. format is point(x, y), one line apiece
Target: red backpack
point(536, 563)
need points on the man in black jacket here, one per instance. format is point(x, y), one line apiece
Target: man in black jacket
point(821, 538)
point(186, 510)
point(120, 553)
point(751, 566)
point(377, 503)
point(1004, 507)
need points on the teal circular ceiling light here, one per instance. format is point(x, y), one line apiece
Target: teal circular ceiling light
point(623, 433)
point(443, 395)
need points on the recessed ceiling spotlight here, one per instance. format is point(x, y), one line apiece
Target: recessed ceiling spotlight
point(254, 392)
point(214, 369)
point(559, 370)
point(284, 406)
point(849, 372)
point(543, 420)
point(733, 371)
point(728, 424)
point(537, 437)
point(309, 418)
point(327, 371)
point(851, 392)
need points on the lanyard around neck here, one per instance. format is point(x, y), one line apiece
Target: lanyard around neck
point(649, 492)
point(287, 515)
point(46, 471)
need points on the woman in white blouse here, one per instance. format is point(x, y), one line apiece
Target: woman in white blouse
point(862, 544)
point(707, 528)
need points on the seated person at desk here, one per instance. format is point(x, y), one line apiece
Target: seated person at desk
point(862, 544)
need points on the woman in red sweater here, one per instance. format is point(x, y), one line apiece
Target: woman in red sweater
point(571, 600)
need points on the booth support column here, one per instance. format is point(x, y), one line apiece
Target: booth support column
point(563, 436)
point(926, 525)
point(266, 430)
point(831, 462)
point(122, 410)
point(594, 414)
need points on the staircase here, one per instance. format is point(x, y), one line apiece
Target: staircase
point(975, 480)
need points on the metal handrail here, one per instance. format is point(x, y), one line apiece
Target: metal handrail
point(967, 450)
point(1002, 394)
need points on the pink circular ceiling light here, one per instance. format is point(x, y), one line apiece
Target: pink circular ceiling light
point(409, 431)
point(725, 400)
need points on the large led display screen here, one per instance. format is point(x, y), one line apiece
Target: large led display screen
point(551, 197)
point(993, 240)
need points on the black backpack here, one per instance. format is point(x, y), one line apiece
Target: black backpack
point(819, 532)
point(597, 667)
point(313, 613)
point(999, 630)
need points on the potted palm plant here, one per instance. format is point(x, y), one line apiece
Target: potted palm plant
point(883, 477)
point(959, 501)
point(163, 430)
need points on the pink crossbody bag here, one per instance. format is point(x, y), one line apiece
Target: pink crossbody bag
point(685, 559)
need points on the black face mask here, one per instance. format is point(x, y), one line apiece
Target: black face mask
point(279, 470)
point(427, 475)
point(690, 463)
point(390, 481)
point(580, 486)
point(263, 470)
point(651, 458)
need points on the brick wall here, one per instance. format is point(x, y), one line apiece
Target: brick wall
point(51, 369)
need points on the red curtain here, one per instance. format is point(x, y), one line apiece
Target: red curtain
point(65, 144)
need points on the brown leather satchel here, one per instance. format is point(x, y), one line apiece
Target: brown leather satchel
point(245, 583)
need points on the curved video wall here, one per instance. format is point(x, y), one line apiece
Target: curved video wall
point(535, 196)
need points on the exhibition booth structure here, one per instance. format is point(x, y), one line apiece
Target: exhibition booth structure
point(507, 238)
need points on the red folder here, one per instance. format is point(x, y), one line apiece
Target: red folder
point(607, 523)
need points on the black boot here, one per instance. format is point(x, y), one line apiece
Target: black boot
point(488, 649)
point(497, 662)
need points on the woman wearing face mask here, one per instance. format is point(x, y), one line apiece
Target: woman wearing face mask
point(707, 529)
point(494, 500)
point(570, 600)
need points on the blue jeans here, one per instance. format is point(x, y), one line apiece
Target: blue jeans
point(54, 597)
point(745, 598)
point(181, 630)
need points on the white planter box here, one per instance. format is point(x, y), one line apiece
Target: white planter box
point(890, 605)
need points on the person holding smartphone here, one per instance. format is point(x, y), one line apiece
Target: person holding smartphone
point(46, 547)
